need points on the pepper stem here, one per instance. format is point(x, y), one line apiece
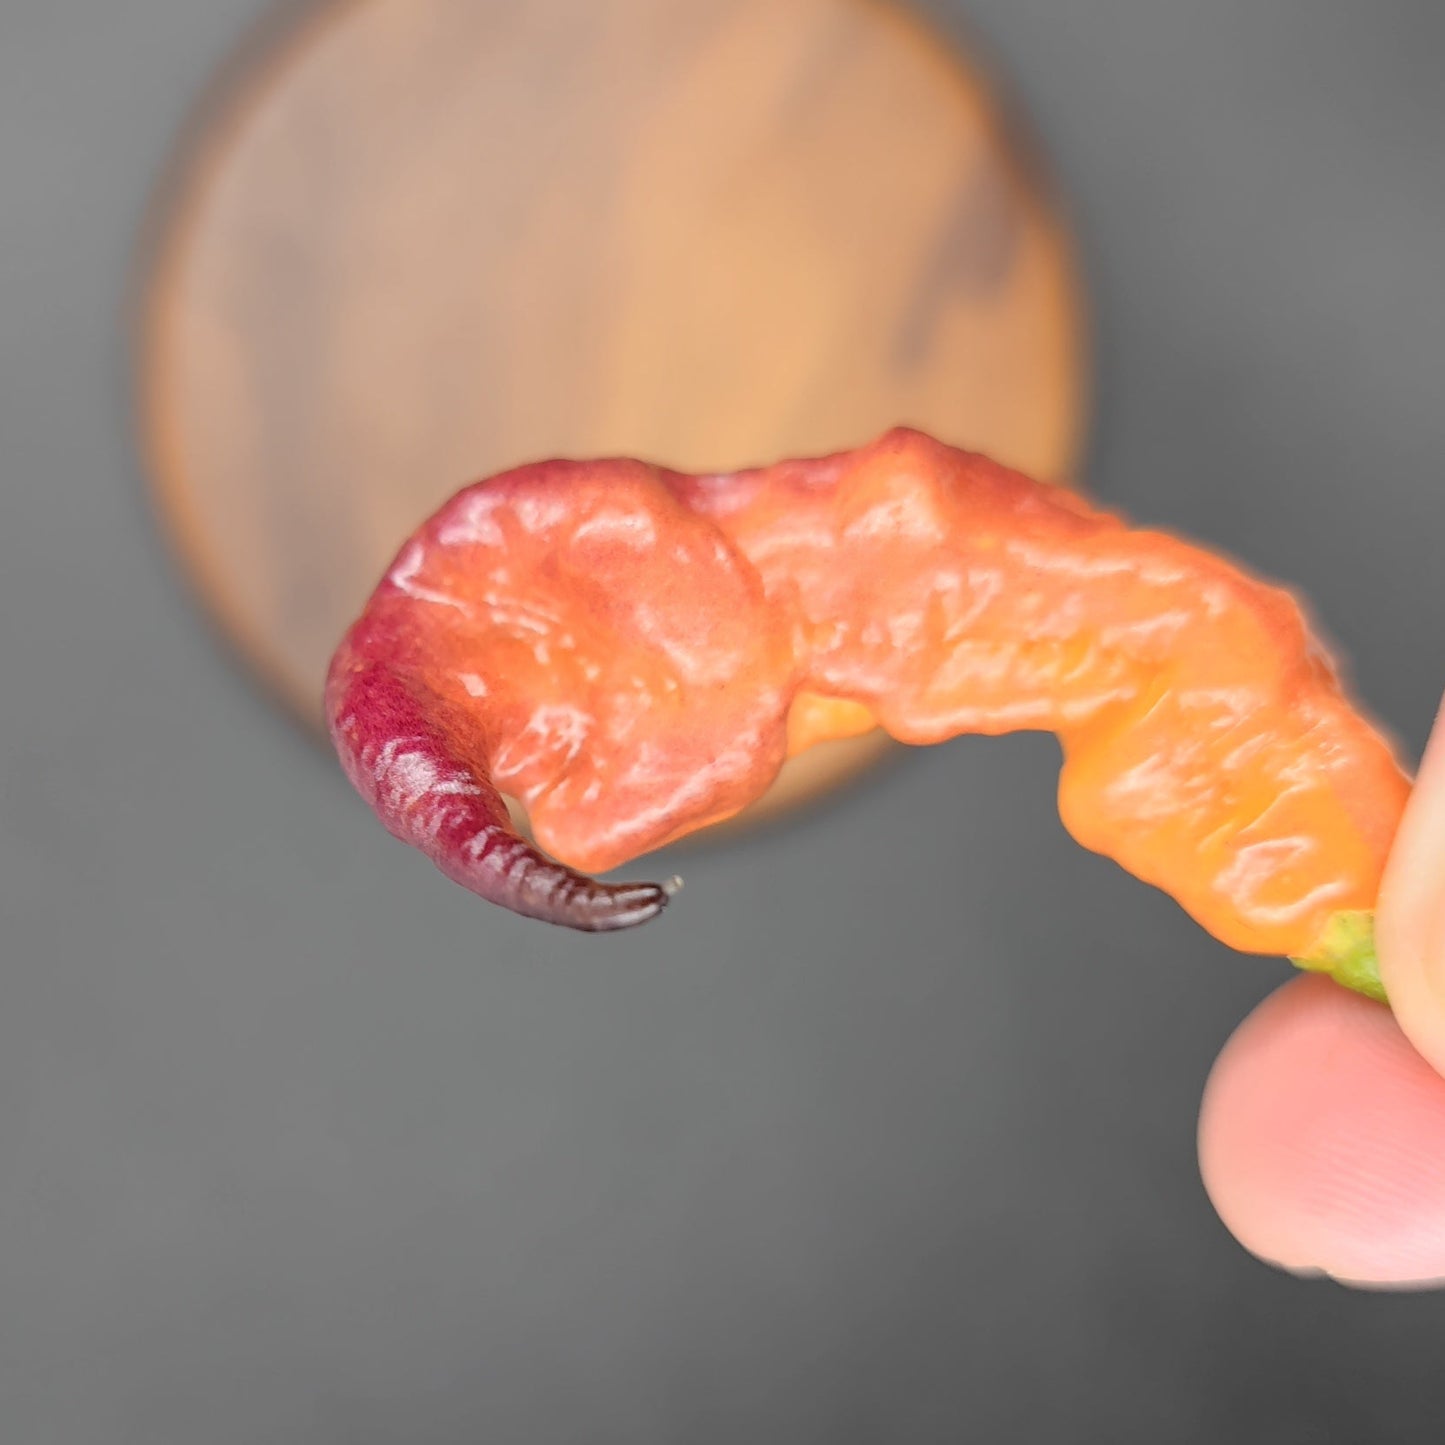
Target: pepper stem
point(1346, 952)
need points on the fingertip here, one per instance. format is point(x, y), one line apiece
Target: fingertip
point(1322, 1141)
point(1410, 919)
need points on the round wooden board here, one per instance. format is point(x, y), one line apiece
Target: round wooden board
point(410, 245)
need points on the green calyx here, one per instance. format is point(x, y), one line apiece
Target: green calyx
point(1346, 952)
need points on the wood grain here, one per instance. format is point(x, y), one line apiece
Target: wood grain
point(409, 245)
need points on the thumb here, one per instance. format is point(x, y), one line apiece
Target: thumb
point(1410, 919)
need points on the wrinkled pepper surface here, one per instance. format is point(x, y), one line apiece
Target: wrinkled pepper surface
point(632, 653)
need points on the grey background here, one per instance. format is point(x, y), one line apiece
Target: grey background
point(299, 1143)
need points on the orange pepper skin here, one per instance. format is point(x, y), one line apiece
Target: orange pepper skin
point(633, 653)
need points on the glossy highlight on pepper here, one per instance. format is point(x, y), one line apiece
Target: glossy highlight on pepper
point(633, 652)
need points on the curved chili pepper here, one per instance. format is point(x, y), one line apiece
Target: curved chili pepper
point(633, 653)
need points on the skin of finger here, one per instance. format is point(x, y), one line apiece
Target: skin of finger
point(1410, 920)
point(1322, 1140)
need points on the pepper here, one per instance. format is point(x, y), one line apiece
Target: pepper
point(633, 652)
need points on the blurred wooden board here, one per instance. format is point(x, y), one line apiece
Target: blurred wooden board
point(410, 245)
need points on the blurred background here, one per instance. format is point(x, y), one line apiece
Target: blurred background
point(302, 1143)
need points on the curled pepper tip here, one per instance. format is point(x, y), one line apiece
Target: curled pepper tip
point(405, 752)
point(621, 905)
point(606, 909)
